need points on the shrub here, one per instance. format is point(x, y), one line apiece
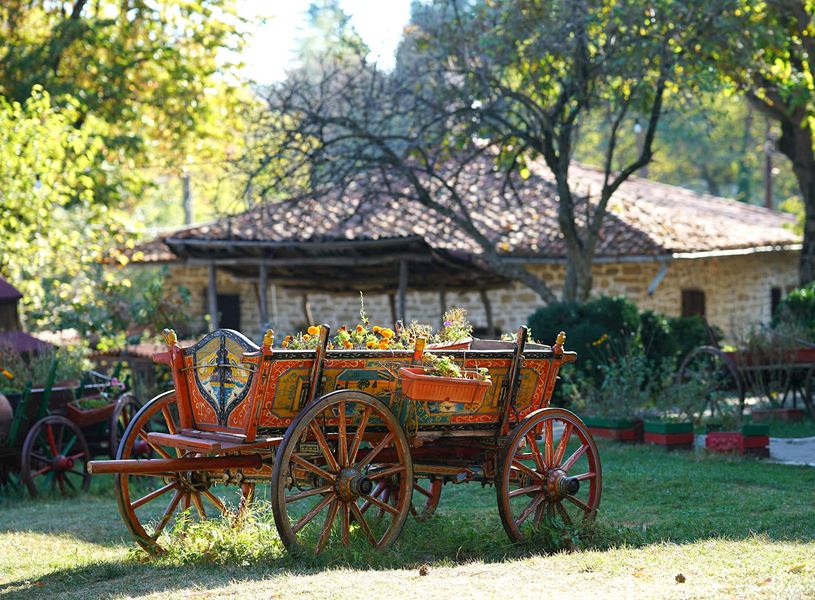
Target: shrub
point(798, 308)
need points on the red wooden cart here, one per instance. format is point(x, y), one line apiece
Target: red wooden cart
point(341, 447)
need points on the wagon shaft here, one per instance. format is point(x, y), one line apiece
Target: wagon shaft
point(176, 465)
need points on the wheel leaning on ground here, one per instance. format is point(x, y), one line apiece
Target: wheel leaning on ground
point(331, 460)
point(149, 504)
point(562, 481)
point(54, 457)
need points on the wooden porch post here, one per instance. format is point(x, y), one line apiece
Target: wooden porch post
point(263, 286)
point(442, 305)
point(307, 311)
point(212, 298)
point(392, 304)
point(485, 300)
point(403, 283)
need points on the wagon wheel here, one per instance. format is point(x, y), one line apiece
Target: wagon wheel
point(429, 492)
point(126, 408)
point(151, 505)
point(335, 468)
point(54, 457)
point(549, 474)
point(718, 376)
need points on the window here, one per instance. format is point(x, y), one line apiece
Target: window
point(229, 311)
point(775, 299)
point(693, 303)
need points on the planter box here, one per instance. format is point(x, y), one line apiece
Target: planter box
point(778, 414)
point(737, 442)
point(419, 386)
point(91, 416)
point(621, 430)
point(751, 429)
point(710, 427)
point(671, 436)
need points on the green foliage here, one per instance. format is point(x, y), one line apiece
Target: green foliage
point(110, 307)
point(798, 308)
point(588, 326)
point(33, 369)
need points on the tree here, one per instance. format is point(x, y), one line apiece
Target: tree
point(146, 77)
point(534, 73)
point(772, 62)
point(514, 82)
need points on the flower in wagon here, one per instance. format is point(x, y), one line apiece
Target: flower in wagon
point(387, 333)
point(370, 344)
point(383, 344)
point(313, 330)
point(601, 340)
point(360, 329)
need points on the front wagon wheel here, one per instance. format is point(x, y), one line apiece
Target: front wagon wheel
point(328, 468)
point(549, 473)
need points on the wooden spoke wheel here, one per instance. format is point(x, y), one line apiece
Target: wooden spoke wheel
point(150, 504)
point(549, 474)
point(331, 462)
point(718, 377)
point(126, 408)
point(54, 458)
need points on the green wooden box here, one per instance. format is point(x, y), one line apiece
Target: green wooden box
point(752, 429)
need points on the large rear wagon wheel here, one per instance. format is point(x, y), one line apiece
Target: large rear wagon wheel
point(549, 473)
point(151, 505)
point(55, 457)
point(334, 455)
point(718, 378)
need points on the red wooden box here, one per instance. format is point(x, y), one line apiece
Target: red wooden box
point(418, 385)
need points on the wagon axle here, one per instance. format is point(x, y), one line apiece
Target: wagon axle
point(351, 484)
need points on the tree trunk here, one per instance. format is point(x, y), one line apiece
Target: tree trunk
point(578, 282)
point(796, 144)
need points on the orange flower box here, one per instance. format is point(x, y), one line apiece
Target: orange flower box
point(418, 385)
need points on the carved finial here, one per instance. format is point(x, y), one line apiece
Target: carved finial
point(268, 338)
point(561, 338)
point(169, 336)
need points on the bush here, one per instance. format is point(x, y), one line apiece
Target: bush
point(798, 308)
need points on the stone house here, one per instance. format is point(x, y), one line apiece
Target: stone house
point(666, 248)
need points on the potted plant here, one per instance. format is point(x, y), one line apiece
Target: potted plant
point(671, 426)
point(442, 380)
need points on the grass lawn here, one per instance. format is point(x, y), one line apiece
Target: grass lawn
point(731, 527)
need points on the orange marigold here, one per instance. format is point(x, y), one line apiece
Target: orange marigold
point(306, 337)
point(383, 344)
point(377, 329)
point(387, 333)
point(370, 345)
point(284, 344)
point(360, 328)
point(347, 345)
point(313, 330)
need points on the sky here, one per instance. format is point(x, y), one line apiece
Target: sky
point(270, 44)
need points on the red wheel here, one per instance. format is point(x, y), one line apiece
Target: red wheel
point(549, 471)
point(54, 457)
point(718, 378)
point(150, 505)
point(332, 460)
point(126, 408)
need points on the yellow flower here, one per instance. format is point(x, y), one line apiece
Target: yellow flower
point(383, 344)
point(377, 329)
point(284, 344)
point(313, 330)
point(306, 337)
point(371, 345)
point(600, 340)
point(387, 333)
point(288, 338)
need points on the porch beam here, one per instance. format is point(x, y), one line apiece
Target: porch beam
point(212, 296)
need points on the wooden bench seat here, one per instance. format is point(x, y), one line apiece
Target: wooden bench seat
point(209, 441)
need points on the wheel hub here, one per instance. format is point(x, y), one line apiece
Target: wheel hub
point(193, 481)
point(63, 463)
point(351, 484)
point(559, 484)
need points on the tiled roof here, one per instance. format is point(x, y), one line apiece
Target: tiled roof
point(645, 218)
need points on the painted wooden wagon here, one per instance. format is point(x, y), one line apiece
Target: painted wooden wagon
point(54, 429)
point(781, 373)
point(348, 443)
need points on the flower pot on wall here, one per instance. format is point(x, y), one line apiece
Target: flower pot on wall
point(621, 430)
point(752, 439)
point(671, 436)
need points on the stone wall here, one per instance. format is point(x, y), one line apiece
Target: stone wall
point(737, 294)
